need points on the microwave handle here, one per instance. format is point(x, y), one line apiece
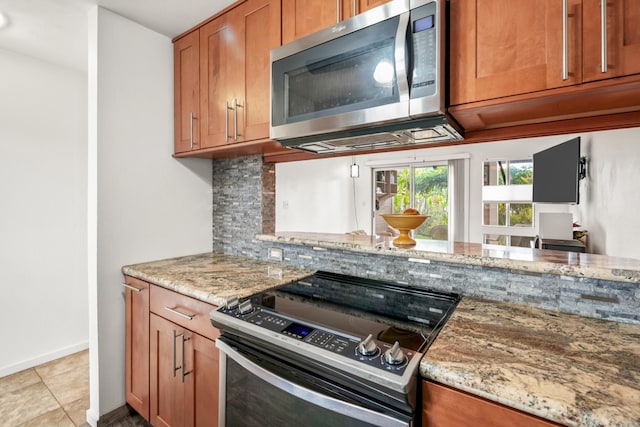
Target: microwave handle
point(400, 55)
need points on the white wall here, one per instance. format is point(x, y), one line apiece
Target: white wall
point(149, 205)
point(318, 195)
point(42, 212)
point(609, 199)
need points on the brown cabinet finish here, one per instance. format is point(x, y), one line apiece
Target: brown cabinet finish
point(258, 26)
point(137, 345)
point(234, 73)
point(186, 93)
point(168, 404)
point(171, 357)
point(444, 406)
point(215, 76)
point(184, 311)
point(622, 39)
point(501, 48)
point(303, 17)
point(508, 68)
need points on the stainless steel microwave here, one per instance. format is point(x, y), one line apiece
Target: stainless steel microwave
point(373, 81)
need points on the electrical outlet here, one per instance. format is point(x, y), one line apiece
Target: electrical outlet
point(275, 254)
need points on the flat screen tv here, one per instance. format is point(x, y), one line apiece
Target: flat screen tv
point(556, 172)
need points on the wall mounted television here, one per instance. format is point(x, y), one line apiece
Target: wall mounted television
point(557, 172)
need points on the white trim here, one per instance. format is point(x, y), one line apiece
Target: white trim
point(416, 160)
point(44, 358)
point(507, 193)
point(509, 231)
point(92, 417)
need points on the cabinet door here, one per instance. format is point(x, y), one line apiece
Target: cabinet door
point(186, 112)
point(623, 39)
point(202, 363)
point(257, 23)
point(444, 406)
point(364, 5)
point(137, 345)
point(502, 47)
point(304, 17)
point(168, 404)
point(217, 41)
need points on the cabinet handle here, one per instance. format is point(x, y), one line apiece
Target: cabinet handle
point(565, 48)
point(175, 310)
point(133, 288)
point(355, 7)
point(184, 374)
point(191, 130)
point(175, 368)
point(338, 14)
point(235, 118)
point(226, 121)
point(603, 36)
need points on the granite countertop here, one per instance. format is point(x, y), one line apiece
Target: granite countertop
point(525, 259)
point(214, 277)
point(571, 369)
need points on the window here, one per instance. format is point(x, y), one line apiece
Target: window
point(507, 214)
point(434, 188)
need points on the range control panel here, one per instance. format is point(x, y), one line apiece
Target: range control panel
point(367, 350)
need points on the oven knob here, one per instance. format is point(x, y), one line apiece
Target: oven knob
point(394, 356)
point(245, 307)
point(232, 303)
point(367, 346)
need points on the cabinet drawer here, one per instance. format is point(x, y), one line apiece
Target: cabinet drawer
point(183, 310)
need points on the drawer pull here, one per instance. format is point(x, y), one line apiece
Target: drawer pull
point(133, 288)
point(175, 310)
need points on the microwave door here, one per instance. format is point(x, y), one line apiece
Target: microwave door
point(358, 78)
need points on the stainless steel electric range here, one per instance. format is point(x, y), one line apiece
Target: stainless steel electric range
point(328, 350)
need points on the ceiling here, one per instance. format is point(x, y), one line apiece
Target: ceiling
point(56, 30)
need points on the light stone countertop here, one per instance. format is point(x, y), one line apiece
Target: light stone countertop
point(574, 370)
point(571, 369)
point(213, 277)
point(524, 259)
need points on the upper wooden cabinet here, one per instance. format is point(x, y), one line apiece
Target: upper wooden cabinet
point(501, 48)
point(186, 74)
point(622, 52)
point(303, 17)
point(509, 65)
point(232, 67)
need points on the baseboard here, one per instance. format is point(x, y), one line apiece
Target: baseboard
point(48, 357)
point(92, 417)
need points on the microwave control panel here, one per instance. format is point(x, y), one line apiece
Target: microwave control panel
point(424, 44)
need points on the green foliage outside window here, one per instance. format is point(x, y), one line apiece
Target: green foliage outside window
point(431, 196)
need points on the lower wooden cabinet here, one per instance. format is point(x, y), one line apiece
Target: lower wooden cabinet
point(184, 376)
point(444, 406)
point(137, 345)
point(171, 357)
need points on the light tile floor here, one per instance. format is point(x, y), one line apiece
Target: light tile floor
point(55, 394)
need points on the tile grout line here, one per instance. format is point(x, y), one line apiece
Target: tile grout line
point(54, 396)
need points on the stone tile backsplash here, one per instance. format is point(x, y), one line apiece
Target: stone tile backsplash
point(244, 206)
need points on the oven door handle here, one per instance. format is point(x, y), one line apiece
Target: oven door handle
point(329, 403)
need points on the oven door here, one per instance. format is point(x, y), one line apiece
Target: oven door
point(260, 389)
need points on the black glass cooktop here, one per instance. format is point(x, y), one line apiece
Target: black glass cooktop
point(358, 307)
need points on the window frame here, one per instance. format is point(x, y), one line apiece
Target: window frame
point(508, 194)
point(458, 189)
